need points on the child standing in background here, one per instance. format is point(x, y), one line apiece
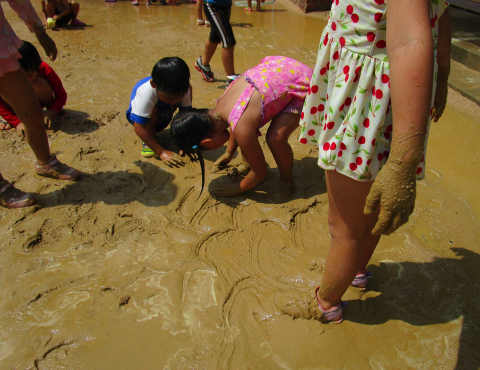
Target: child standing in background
point(47, 85)
point(199, 9)
point(249, 5)
point(369, 112)
point(218, 14)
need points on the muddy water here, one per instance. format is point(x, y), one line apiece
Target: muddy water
point(126, 270)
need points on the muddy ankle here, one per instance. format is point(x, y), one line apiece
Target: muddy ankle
point(323, 303)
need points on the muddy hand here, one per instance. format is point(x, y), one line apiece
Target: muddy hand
point(5, 125)
point(221, 162)
point(394, 190)
point(49, 119)
point(20, 130)
point(172, 159)
point(229, 189)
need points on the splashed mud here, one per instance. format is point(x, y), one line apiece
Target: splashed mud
point(125, 269)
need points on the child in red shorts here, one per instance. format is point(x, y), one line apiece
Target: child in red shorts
point(47, 86)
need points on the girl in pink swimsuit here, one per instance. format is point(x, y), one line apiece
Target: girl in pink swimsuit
point(273, 90)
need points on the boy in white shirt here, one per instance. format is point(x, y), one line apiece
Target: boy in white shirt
point(153, 102)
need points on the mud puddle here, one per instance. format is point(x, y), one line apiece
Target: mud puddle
point(125, 269)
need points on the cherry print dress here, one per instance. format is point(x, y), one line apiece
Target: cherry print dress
point(347, 112)
point(9, 42)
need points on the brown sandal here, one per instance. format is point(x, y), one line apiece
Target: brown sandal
point(11, 197)
point(57, 170)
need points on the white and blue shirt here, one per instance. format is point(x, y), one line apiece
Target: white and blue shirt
point(144, 98)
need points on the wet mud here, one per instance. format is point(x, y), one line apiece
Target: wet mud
point(126, 269)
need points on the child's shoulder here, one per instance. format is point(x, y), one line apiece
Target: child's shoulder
point(144, 82)
point(44, 68)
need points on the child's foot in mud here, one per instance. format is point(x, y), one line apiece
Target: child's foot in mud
point(282, 190)
point(227, 188)
point(299, 305)
point(243, 169)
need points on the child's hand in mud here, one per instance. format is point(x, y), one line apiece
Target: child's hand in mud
point(171, 159)
point(5, 125)
point(228, 189)
point(49, 119)
point(221, 162)
point(20, 130)
point(63, 114)
point(47, 43)
point(394, 190)
point(240, 171)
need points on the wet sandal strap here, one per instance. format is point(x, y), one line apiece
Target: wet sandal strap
point(333, 312)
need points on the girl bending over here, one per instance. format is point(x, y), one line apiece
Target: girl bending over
point(273, 90)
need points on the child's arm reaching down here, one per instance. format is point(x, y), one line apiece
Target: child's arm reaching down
point(59, 93)
point(410, 53)
point(246, 137)
point(146, 132)
point(65, 12)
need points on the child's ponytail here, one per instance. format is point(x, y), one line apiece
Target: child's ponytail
point(188, 129)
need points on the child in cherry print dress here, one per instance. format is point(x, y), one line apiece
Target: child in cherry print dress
point(369, 112)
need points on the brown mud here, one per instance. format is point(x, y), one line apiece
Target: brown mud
point(126, 269)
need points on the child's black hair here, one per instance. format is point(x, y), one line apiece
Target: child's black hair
point(30, 60)
point(188, 128)
point(171, 76)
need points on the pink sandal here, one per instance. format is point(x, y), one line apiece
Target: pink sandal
point(57, 170)
point(332, 314)
point(77, 23)
point(11, 197)
point(361, 280)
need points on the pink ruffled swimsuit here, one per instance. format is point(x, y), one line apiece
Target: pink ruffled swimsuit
point(283, 83)
point(9, 42)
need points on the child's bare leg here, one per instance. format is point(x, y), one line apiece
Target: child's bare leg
point(348, 229)
point(75, 7)
point(50, 8)
point(44, 91)
point(228, 61)
point(278, 133)
point(249, 4)
point(199, 9)
point(369, 242)
point(208, 52)
point(25, 103)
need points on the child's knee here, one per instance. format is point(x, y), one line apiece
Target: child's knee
point(43, 90)
point(340, 231)
point(275, 140)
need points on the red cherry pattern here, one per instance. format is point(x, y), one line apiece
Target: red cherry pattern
point(354, 29)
